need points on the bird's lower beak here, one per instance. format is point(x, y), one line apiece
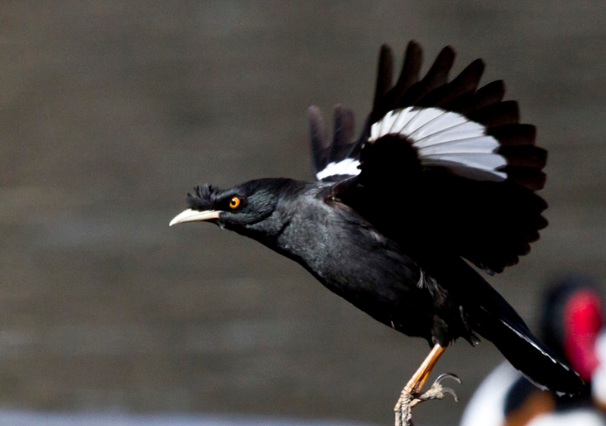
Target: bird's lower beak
point(190, 215)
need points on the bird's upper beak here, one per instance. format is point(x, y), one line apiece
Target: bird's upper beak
point(190, 215)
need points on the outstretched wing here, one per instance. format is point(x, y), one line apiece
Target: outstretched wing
point(445, 164)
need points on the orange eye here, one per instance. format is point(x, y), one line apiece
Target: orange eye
point(234, 202)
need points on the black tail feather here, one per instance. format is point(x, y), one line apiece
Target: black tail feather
point(488, 314)
point(525, 352)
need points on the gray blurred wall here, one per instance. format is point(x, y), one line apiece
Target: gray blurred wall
point(110, 111)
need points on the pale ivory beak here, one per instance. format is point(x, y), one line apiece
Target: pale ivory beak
point(190, 215)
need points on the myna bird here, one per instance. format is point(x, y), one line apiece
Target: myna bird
point(443, 177)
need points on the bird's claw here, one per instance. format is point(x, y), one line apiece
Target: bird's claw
point(447, 376)
point(437, 391)
point(408, 399)
point(444, 390)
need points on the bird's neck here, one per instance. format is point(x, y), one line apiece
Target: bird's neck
point(292, 224)
point(265, 231)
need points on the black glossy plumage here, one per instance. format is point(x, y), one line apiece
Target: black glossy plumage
point(391, 237)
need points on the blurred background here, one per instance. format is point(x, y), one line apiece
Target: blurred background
point(112, 110)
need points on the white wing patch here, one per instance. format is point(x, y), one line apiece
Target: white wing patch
point(441, 138)
point(349, 166)
point(444, 138)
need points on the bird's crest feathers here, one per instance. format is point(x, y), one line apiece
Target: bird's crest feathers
point(203, 198)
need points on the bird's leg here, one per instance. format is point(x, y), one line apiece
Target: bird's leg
point(410, 394)
point(418, 379)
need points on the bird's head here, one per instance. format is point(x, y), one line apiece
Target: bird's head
point(241, 208)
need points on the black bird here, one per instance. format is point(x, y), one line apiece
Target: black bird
point(442, 175)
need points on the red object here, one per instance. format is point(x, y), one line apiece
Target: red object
point(582, 323)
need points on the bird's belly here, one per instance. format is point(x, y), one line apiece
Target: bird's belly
point(385, 287)
point(354, 261)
